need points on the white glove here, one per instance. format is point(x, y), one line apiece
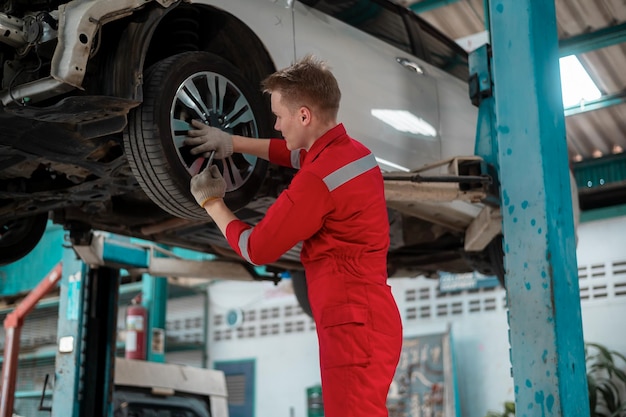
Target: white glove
point(208, 185)
point(206, 139)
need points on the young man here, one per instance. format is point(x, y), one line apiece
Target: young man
point(336, 206)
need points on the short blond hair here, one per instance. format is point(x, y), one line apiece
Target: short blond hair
point(308, 82)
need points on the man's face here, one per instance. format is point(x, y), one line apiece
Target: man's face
point(288, 122)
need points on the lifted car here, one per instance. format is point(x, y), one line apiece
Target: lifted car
point(97, 96)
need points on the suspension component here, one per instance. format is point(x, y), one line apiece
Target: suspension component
point(12, 31)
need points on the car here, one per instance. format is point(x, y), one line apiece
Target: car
point(97, 97)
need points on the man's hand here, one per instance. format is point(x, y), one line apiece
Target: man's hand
point(208, 185)
point(205, 139)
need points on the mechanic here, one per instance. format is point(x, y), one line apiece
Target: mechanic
point(336, 205)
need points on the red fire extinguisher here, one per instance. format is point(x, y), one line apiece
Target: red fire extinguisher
point(136, 325)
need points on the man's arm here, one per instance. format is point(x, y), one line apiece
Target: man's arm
point(252, 146)
point(297, 214)
point(220, 213)
point(273, 150)
point(205, 139)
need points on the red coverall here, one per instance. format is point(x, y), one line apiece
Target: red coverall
point(335, 204)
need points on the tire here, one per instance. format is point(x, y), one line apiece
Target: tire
point(20, 236)
point(496, 256)
point(490, 261)
point(298, 280)
point(176, 90)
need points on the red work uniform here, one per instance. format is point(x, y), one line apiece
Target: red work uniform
point(336, 206)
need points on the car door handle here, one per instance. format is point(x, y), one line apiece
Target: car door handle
point(410, 65)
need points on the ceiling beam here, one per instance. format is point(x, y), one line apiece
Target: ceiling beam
point(586, 42)
point(602, 102)
point(579, 44)
point(426, 5)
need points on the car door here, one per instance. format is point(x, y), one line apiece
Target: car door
point(389, 99)
point(447, 62)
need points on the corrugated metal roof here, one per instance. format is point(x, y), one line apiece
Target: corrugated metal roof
point(590, 134)
point(596, 133)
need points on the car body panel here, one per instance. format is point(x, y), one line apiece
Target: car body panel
point(372, 81)
point(458, 117)
point(271, 21)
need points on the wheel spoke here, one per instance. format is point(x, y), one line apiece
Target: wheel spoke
point(231, 174)
point(241, 113)
point(249, 158)
point(196, 165)
point(191, 97)
point(217, 88)
point(179, 132)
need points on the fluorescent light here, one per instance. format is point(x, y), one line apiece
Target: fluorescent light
point(390, 164)
point(576, 84)
point(405, 121)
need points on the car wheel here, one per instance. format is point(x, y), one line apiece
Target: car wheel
point(194, 85)
point(20, 236)
point(496, 258)
point(492, 260)
point(298, 280)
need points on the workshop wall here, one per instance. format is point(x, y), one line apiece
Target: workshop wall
point(274, 333)
point(262, 323)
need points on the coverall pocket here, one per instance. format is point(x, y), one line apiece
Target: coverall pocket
point(344, 339)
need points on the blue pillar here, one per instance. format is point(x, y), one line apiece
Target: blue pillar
point(547, 348)
point(68, 363)
point(83, 381)
point(154, 299)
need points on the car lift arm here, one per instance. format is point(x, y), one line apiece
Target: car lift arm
point(459, 198)
point(101, 251)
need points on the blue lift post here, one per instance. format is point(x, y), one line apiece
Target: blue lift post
point(67, 363)
point(547, 345)
point(154, 290)
point(87, 328)
point(83, 380)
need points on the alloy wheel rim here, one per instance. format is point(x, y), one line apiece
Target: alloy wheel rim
point(218, 102)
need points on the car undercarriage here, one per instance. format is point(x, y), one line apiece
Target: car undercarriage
point(99, 146)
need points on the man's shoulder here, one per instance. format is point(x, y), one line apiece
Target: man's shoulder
point(349, 149)
point(337, 156)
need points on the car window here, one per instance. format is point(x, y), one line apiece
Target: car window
point(438, 50)
point(379, 19)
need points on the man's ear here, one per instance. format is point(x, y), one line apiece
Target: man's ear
point(305, 115)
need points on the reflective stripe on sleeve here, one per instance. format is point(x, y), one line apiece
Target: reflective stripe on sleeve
point(295, 159)
point(350, 171)
point(243, 244)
